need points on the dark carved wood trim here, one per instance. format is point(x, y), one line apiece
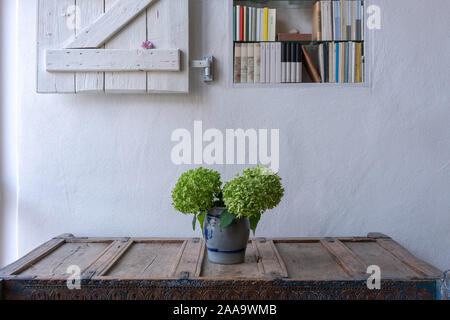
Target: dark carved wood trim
point(217, 289)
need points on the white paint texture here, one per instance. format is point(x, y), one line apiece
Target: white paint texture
point(353, 160)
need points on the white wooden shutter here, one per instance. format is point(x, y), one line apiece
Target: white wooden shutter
point(95, 46)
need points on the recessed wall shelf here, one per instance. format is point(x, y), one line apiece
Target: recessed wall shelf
point(338, 56)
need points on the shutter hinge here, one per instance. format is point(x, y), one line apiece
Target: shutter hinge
point(208, 67)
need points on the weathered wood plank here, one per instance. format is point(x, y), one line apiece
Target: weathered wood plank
point(107, 259)
point(188, 266)
point(309, 261)
point(90, 10)
point(32, 257)
point(117, 16)
point(419, 266)
point(371, 253)
point(55, 265)
point(71, 60)
point(145, 260)
point(168, 27)
point(345, 258)
point(130, 37)
point(53, 28)
point(272, 263)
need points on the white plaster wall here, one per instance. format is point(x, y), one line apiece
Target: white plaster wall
point(8, 133)
point(353, 160)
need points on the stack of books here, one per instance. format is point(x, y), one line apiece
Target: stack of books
point(338, 20)
point(341, 62)
point(268, 62)
point(254, 24)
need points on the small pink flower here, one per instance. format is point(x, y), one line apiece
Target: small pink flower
point(147, 45)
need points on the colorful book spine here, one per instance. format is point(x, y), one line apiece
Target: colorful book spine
point(266, 24)
point(358, 22)
point(358, 63)
point(234, 23)
point(242, 24)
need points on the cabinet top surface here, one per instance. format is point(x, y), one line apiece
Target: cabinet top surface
point(290, 259)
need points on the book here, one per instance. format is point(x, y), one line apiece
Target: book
point(352, 62)
point(263, 63)
point(268, 61)
point(346, 62)
point(247, 24)
point(257, 60)
point(348, 24)
point(272, 24)
point(294, 37)
point(325, 62)
point(337, 20)
point(322, 20)
point(332, 63)
point(238, 23)
point(254, 21)
point(288, 62)
point(237, 63)
point(298, 62)
point(321, 62)
point(241, 25)
point(341, 62)
point(244, 62)
point(283, 62)
point(278, 63)
point(358, 62)
point(337, 62)
point(309, 66)
point(273, 62)
point(234, 23)
point(358, 20)
point(316, 22)
point(266, 24)
point(343, 19)
point(293, 61)
point(250, 63)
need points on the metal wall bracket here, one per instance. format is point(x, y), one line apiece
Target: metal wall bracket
point(208, 67)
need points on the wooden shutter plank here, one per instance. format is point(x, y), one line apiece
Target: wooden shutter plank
point(272, 264)
point(191, 258)
point(107, 259)
point(70, 60)
point(417, 265)
point(345, 258)
point(33, 257)
point(52, 31)
point(168, 27)
point(89, 10)
point(130, 37)
point(118, 15)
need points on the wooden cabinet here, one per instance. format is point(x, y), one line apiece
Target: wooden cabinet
point(148, 268)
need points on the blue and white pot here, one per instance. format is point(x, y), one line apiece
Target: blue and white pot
point(226, 246)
